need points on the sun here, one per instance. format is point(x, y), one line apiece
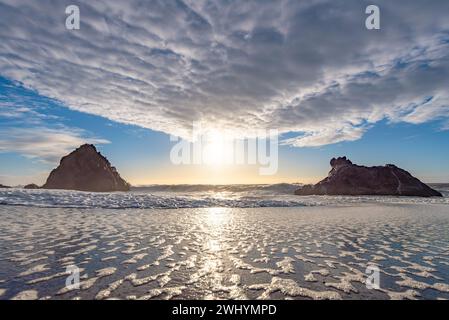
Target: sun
point(218, 150)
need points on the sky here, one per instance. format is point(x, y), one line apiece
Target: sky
point(138, 72)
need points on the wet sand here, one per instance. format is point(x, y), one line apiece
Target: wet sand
point(226, 253)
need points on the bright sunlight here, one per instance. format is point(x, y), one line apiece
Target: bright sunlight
point(218, 150)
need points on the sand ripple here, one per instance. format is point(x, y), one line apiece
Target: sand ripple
point(225, 253)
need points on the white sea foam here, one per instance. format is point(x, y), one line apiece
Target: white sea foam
point(318, 252)
point(26, 295)
point(164, 197)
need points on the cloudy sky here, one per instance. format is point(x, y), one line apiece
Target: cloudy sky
point(138, 71)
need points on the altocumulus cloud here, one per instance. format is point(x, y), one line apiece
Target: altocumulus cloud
point(308, 67)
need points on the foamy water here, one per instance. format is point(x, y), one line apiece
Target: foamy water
point(197, 196)
point(318, 252)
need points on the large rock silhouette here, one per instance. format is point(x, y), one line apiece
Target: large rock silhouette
point(346, 178)
point(85, 169)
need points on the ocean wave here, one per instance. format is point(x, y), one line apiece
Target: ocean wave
point(186, 197)
point(443, 188)
point(134, 199)
point(279, 188)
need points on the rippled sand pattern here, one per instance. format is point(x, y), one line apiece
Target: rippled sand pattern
point(226, 253)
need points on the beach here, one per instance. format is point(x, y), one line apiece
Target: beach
point(313, 251)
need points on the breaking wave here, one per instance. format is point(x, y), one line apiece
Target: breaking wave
point(196, 196)
point(280, 188)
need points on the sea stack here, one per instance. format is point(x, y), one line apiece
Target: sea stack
point(346, 178)
point(85, 169)
point(31, 186)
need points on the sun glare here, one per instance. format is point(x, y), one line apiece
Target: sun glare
point(218, 150)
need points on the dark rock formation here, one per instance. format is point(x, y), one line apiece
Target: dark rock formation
point(31, 186)
point(346, 178)
point(85, 169)
point(4, 187)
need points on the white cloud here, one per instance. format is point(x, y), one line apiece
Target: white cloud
point(326, 136)
point(43, 143)
point(296, 66)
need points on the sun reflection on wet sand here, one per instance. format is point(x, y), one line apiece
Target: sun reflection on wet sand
point(214, 222)
point(218, 216)
point(216, 219)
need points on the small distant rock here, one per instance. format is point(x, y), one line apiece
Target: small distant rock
point(346, 178)
point(4, 187)
point(31, 186)
point(85, 169)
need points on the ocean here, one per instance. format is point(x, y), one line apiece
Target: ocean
point(221, 242)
